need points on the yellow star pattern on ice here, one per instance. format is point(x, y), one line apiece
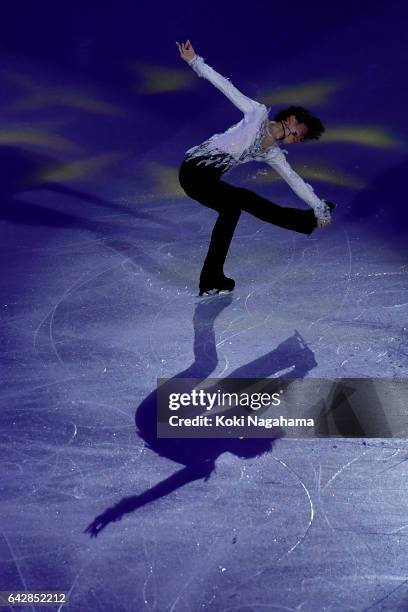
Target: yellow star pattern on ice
point(307, 93)
point(37, 137)
point(40, 95)
point(308, 172)
point(82, 169)
point(156, 79)
point(167, 183)
point(368, 136)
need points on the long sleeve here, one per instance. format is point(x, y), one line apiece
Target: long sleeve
point(245, 104)
point(303, 190)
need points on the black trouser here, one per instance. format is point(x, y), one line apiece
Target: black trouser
point(203, 183)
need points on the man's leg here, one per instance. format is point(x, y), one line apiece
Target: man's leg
point(202, 183)
point(221, 237)
point(295, 219)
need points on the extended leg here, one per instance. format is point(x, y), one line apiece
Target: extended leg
point(296, 219)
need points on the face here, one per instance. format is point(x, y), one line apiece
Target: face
point(295, 131)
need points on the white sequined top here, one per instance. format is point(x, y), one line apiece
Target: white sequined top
point(242, 141)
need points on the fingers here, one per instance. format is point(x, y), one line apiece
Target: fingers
point(184, 47)
point(181, 48)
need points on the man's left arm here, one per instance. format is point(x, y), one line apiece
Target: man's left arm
point(300, 187)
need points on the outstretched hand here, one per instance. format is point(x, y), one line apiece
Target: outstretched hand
point(186, 50)
point(321, 223)
point(94, 528)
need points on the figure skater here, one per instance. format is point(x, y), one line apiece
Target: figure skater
point(254, 138)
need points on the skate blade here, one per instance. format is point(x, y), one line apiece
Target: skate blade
point(212, 292)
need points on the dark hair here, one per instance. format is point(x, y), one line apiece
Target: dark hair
point(315, 127)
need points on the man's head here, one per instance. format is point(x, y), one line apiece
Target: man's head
point(299, 125)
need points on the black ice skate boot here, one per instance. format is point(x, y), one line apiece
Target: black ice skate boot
point(212, 283)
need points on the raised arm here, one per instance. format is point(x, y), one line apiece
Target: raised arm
point(278, 162)
point(245, 104)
